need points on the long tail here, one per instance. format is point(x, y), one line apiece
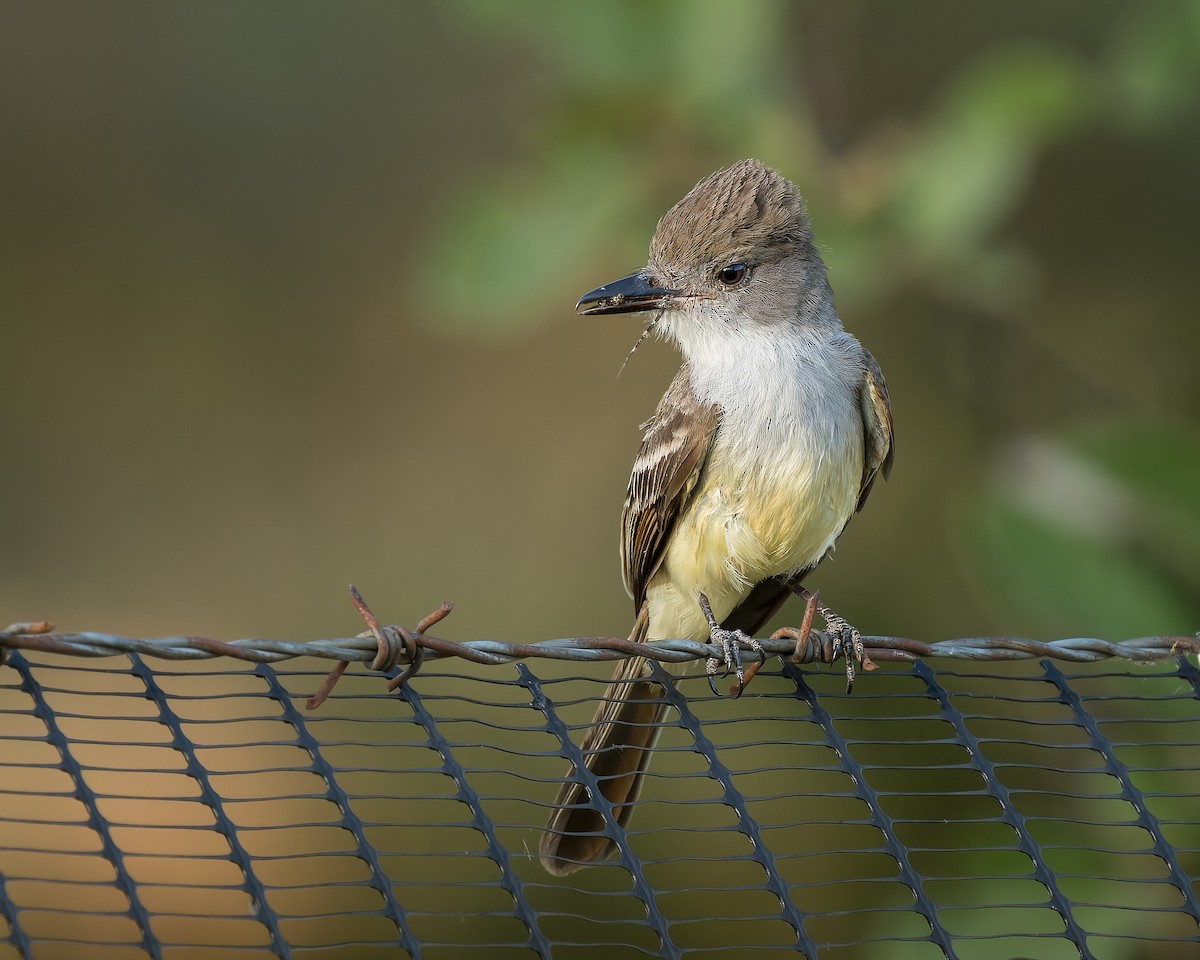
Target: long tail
point(616, 750)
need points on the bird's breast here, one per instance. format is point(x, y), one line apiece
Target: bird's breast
point(781, 479)
point(771, 500)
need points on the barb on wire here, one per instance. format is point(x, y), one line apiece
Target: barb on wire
point(384, 648)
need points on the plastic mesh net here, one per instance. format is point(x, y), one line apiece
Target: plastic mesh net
point(990, 812)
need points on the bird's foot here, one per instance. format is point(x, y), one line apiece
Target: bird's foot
point(730, 642)
point(845, 640)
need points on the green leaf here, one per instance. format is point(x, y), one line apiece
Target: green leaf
point(973, 165)
point(510, 249)
point(1154, 69)
point(1100, 534)
point(1073, 585)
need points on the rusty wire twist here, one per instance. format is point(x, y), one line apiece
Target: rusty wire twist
point(384, 648)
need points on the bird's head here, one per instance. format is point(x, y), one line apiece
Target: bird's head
point(735, 254)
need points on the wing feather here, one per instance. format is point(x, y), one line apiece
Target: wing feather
point(674, 449)
point(878, 443)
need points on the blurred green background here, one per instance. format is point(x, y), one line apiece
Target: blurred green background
point(287, 290)
point(287, 299)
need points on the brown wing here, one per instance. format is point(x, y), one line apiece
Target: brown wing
point(627, 722)
point(878, 447)
point(674, 449)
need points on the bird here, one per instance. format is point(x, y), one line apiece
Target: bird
point(765, 444)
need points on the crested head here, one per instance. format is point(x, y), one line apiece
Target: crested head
point(745, 212)
point(737, 254)
point(732, 260)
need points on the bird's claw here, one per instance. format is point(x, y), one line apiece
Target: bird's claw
point(847, 642)
point(730, 642)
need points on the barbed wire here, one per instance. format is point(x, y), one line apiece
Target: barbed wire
point(385, 648)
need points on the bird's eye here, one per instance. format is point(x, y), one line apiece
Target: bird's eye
point(733, 274)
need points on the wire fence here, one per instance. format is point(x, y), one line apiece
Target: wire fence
point(385, 647)
point(1044, 808)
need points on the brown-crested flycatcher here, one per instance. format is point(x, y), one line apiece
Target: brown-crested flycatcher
point(765, 444)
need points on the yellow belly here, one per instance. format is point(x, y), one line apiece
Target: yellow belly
point(744, 524)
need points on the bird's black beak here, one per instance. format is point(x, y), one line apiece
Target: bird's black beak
point(628, 295)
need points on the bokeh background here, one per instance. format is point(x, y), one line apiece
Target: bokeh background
point(287, 288)
point(287, 300)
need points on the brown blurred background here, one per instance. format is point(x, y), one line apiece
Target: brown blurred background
point(287, 291)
